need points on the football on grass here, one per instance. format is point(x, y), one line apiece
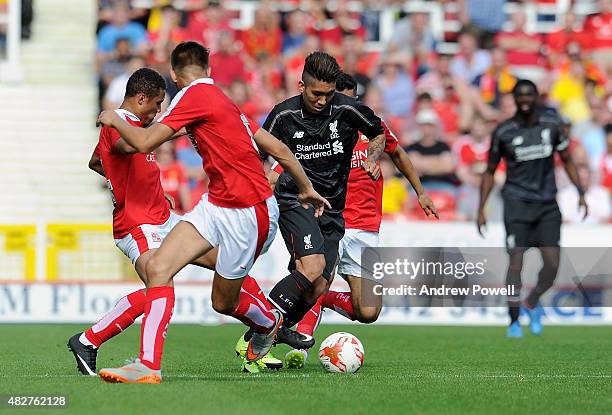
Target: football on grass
point(341, 353)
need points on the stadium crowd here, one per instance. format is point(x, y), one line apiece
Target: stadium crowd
point(27, 15)
point(442, 103)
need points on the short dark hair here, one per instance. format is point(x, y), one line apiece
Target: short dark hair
point(522, 83)
point(424, 96)
point(322, 67)
point(189, 53)
point(145, 81)
point(346, 81)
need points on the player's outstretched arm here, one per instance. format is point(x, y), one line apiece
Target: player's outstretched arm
point(404, 165)
point(376, 148)
point(144, 140)
point(572, 173)
point(281, 153)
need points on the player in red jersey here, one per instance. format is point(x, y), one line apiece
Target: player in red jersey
point(363, 215)
point(141, 216)
point(239, 214)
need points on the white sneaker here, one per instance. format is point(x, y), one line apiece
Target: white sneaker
point(134, 372)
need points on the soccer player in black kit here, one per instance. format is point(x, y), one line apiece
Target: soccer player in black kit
point(532, 218)
point(321, 128)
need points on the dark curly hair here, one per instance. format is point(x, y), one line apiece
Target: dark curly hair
point(145, 81)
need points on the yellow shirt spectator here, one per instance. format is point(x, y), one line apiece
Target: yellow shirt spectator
point(569, 92)
point(394, 195)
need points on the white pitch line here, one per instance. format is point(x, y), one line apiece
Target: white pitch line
point(373, 376)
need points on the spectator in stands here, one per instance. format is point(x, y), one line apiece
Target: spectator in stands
point(27, 16)
point(568, 91)
point(370, 20)
point(558, 41)
point(396, 86)
point(173, 179)
point(431, 156)
point(264, 39)
point(226, 63)
point(164, 35)
point(120, 27)
point(353, 68)
point(106, 12)
point(341, 24)
point(115, 66)
point(3, 10)
point(522, 48)
point(471, 153)
point(606, 161)
point(487, 17)
point(206, 24)
point(599, 29)
point(578, 152)
point(454, 109)
point(365, 63)
point(413, 33)
point(470, 61)
point(191, 161)
point(507, 107)
point(597, 198)
point(433, 82)
point(241, 94)
point(117, 62)
point(116, 90)
point(375, 100)
point(496, 80)
point(395, 195)
point(294, 64)
point(593, 133)
point(296, 33)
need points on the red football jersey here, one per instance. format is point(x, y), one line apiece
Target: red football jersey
point(133, 180)
point(364, 196)
point(172, 178)
point(223, 137)
point(606, 171)
point(473, 154)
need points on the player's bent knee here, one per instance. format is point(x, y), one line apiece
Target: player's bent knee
point(312, 266)
point(157, 272)
point(223, 306)
point(368, 315)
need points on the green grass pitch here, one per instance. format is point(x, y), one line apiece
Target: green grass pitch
point(408, 370)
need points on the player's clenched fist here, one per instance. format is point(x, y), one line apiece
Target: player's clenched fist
point(106, 118)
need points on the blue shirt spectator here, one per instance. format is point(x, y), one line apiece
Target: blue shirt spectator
point(108, 36)
point(397, 88)
point(486, 14)
point(121, 28)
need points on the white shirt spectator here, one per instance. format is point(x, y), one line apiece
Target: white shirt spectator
point(597, 199)
point(116, 91)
